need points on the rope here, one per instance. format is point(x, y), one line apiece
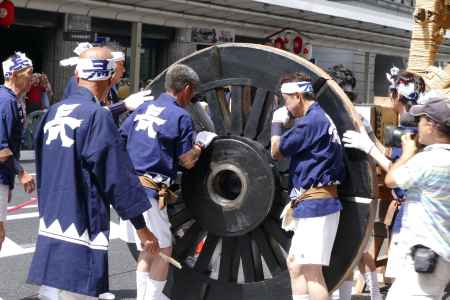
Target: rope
point(428, 34)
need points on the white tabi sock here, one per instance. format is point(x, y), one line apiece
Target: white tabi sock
point(300, 297)
point(141, 284)
point(372, 283)
point(345, 290)
point(154, 289)
point(48, 293)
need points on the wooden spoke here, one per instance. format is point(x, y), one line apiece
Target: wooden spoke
point(237, 117)
point(204, 259)
point(254, 118)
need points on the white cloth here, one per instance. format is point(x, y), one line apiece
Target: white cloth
point(344, 292)
point(133, 101)
point(157, 222)
point(4, 195)
point(281, 115)
point(205, 138)
point(95, 69)
point(357, 140)
point(51, 293)
point(17, 62)
point(313, 239)
point(372, 282)
point(154, 289)
point(396, 254)
point(141, 284)
point(300, 297)
point(416, 286)
point(296, 87)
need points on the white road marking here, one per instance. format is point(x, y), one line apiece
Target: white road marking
point(22, 216)
point(10, 248)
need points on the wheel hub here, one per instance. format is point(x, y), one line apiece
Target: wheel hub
point(231, 190)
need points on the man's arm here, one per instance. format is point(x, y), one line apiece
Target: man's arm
point(275, 147)
point(116, 180)
point(409, 147)
point(361, 141)
point(190, 158)
point(280, 119)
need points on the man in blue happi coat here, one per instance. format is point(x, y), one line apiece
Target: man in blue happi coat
point(17, 71)
point(83, 168)
point(160, 137)
point(316, 169)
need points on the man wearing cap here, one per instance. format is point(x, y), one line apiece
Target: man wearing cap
point(160, 138)
point(405, 89)
point(17, 71)
point(316, 168)
point(426, 175)
point(82, 168)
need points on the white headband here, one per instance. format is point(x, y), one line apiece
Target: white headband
point(17, 62)
point(81, 48)
point(296, 87)
point(95, 69)
point(118, 56)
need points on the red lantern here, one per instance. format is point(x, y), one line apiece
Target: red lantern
point(7, 13)
point(298, 45)
point(279, 43)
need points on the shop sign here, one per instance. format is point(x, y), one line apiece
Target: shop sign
point(79, 36)
point(201, 35)
point(292, 41)
point(77, 23)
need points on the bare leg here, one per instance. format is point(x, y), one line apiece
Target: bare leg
point(158, 276)
point(298, 281)
point(317, 287)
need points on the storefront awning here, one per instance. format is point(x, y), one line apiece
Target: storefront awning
point(326, 23)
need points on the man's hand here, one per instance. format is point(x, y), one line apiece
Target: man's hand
point(357, 140)
point(2, 234)
point(135, 100)
point(409, 146)
point(148, 241)
point(204, 138)
point(27, 181)
point(281, 115)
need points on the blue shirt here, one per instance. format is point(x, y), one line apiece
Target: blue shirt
point(157, 133)
point(82, 168)
point(71, 87)
point(11, 126)
point(316, 153)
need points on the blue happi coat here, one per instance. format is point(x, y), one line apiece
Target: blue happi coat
point(157, 133)
point(11, 125)
point(82, 168)
point(317, 159)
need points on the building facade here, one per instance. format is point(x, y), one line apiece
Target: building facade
point(366, 36)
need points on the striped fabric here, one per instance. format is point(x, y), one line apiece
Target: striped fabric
point(426, 176)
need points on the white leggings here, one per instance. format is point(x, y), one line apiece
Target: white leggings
point(51, 293)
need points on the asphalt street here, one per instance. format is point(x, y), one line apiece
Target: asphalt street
point(17, 252)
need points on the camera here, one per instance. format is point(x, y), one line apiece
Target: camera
point(393, 135)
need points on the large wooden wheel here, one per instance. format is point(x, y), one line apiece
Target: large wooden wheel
point(232, 199)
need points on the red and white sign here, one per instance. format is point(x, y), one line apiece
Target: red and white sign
point(292, 41)
point(7, 13)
